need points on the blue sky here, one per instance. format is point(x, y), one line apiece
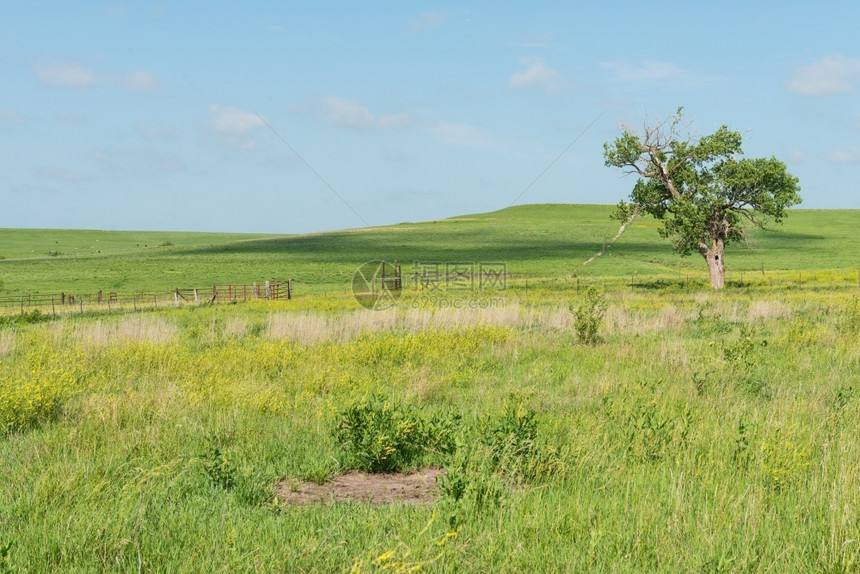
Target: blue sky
point(292, 117)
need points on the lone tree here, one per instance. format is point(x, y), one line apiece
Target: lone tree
point(700, 188)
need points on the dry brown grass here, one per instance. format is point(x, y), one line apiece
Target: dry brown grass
point(7, 342)
point(133, 327)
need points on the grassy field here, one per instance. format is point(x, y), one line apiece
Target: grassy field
point(701, 432)
point(535, 241)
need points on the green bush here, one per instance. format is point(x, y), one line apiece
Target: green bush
point(377, 434)
point(588, 315)
point(471, 487)
point(219, 469)
point(514, 447)
point(508, 450)
point(849, 318)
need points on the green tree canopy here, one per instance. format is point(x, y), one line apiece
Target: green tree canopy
point(701, 189)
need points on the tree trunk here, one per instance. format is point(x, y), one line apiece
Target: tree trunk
point(716, 266)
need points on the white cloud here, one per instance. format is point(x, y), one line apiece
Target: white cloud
point(533, 41)
point(62, 174)
point(77, 76)
point(537, 73)
point(346, 113)
point(10, 117)
point(427, 20)
point(849, 155)
point(140, 81)
point(139, 162)
point(651, 71)
point(156, 132)
point(461, 135)
point(394, 121)
point(73, 75)
point(351, 114)
point(233, 121)
point(833, 75)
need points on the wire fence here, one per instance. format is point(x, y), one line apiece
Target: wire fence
point(80, 302)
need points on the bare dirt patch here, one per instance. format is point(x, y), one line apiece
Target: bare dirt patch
point(395, 488)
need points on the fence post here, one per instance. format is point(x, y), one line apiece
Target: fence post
point(268, 290)
point(289, 288)
point(196, 300)
point(176, 297)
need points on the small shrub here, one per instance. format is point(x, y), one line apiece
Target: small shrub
point(742, 356)
point(218, 468)
point(508, 449)
point(844, 395)
point(514, 447)
point(741, 453)
point(709, 323)
point(33, 317)
point(35, 388)
point(784, 461)
point(379, 435)
point(5, 554)
point(471, 488)
point(588, 315)
point(848, 322)
point(652, 433)
point(645, 428)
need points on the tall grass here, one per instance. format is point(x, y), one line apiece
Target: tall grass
point(705, 433)
point(541, 243)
